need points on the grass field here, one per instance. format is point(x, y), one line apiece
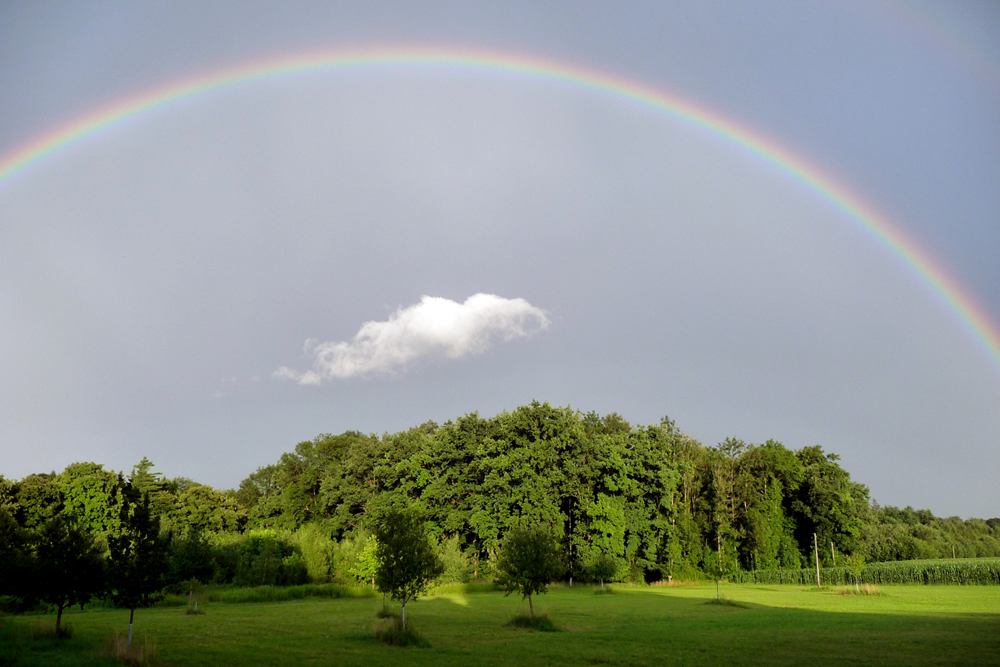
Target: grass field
point(775, 625)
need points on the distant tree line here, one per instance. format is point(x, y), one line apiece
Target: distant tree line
point(624, 502)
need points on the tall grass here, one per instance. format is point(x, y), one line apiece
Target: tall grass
point(965, 571)
point(389, 630)
point(473, 587)
point(283, 593)
point(142, 653)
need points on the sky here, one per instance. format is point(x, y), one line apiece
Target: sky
point(213, 280)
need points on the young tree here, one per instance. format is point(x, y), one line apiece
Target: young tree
point(855, 564)
point(67, 566)
point(407, 561)
point(367, 563)
point(603, 567)
point(137, 562)
point(719, 566)
point(528, 562)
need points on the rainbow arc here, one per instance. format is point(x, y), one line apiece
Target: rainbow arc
point(886, 234)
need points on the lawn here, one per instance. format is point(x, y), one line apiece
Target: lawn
point(776, 625)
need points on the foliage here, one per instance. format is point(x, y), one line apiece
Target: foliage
point(67, 568)
point(407, 561)
point(528, 562)
point(603, 568)
point(366, 563)
point(650, 497)
point(15, 557)
point(137, 560)
point(457, 568)
point(855, 564)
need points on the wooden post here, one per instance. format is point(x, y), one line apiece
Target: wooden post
point(816, 549)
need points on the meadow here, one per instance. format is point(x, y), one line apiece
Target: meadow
point(636, 625)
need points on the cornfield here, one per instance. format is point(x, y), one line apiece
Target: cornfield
point(965, 571)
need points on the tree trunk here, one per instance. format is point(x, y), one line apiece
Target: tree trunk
point(602, 584)
point(404, 615)
point(531, 607)
point(856, 587)
point(59, 618)
point(131, 617)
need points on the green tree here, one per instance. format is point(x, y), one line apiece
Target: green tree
point(14, 555)
point(855, 564)
point(603, 567)
point(366, 566)
point(408, 562)
point(528, 562)
point(67, 567)
point(718, 567)
point(137, 561)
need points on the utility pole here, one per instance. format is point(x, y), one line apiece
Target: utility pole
point(816, 549)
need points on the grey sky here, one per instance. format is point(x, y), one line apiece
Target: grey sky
point(156, 275)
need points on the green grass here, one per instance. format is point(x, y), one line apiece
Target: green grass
point(776, 625)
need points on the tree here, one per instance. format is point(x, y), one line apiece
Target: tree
point(137, 561)
point(67, 566)
point(855, 564)
point(603, 567)
point(528, 562)
point(407, 561)
point(367, 563)
point(718, 566)
point(14, 556)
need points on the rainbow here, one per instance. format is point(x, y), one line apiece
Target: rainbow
point(934, 277)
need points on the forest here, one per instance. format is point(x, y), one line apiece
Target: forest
point(652, 499)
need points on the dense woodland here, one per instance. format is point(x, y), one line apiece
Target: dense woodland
point(651, 498)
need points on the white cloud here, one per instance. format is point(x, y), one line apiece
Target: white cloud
point(435, 327)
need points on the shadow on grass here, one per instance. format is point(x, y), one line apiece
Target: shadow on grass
point(723, 601)
point(390, 631)
point(538, 622)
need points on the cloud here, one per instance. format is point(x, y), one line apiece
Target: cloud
point(435, 327)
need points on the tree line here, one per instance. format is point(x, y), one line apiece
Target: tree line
point(624, 502)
